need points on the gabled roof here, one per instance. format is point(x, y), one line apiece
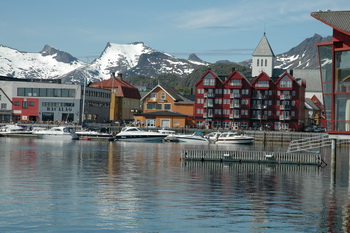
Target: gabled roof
point(178, 98)
point(262, 76)
point(122, 88)
point(236, 74)
point(161, 113)
point(209, 71)
point(338, 20)
point(289, 76)
point(263, 48)
point(309, 104)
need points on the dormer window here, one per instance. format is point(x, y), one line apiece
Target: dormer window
point(286, 83)
point(236, 82)
point(262, 83)
point(154, 95)
point(209, 81)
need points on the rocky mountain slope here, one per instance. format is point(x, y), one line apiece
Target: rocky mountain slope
point(302, 56)
point(133, 59)
point(49, 63)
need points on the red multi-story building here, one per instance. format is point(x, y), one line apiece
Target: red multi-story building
point(267, 102)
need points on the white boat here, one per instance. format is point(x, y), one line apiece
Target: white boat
point(213, 136)
point(195, 138)
point(170, 135)
point(58, 133)
point(137, 134)
point(234, 138)
point(93, 135)
point(14, 130)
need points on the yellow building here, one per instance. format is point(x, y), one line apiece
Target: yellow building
point(125, 98)
point(164, 107)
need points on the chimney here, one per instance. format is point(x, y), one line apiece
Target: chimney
point(120, 76)
point(113, 75)
point(233, 69)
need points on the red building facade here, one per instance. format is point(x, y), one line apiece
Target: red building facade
point(334, 58)
point(234, 102)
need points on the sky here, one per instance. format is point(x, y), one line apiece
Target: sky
point(213, 30)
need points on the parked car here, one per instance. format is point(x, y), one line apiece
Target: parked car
point(319, 129)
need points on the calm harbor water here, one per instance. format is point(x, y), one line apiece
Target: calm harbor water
point(90, 186)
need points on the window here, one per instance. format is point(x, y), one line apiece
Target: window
point(153, 95)
point(167, 106)
point(262, 83)
point(286, 83)
point(163, 95)
point(150, 106)
point(209, 80)
point(36, 91)
point(3, 106)
point(24, 104)
point(31, 103)
point(257, 62)
point(236, 82)
point(265, 62)
point(16, 103)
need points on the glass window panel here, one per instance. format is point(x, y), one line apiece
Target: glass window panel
point(325, 58)
point(20, 91)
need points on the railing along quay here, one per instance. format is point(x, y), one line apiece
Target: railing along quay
point(253, 157)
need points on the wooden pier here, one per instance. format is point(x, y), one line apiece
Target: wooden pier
point(253, 157)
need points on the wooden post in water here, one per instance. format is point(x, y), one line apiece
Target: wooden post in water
point(333, 157)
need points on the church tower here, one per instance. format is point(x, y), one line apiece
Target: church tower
point(263, 58)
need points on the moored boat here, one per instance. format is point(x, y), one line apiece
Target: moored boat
point(195, 138)
point(139, 135)
point(234, 138)
point(94, 135)
point(58, 133)
point(14, 130)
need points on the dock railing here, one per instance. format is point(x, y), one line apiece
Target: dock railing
point(253, 157)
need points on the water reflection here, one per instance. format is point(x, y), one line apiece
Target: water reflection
point(91, 185)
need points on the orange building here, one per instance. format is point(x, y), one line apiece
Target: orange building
point(164, 107)
point(125, 98)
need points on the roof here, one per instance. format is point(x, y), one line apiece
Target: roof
point(161, 113)
point(336, 19)
point(309, 104)
point(263, 48)
point(312, 78)
point(178, 98)
point(123, 88)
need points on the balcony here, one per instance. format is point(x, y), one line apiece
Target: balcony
point(235, 116)
point(285, 97)
point(208, 115)
point(209, 95)
point(285, 107)
point(235, 105)
point(235, 95)
point(256, 117)
point(208, 105)
point(283, 118)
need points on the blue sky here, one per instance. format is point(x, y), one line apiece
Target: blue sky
point(214, 30)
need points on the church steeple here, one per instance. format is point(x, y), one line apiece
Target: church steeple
point(263, 58)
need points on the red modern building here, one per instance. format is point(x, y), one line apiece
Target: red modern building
point(334, 58)
point(268, 101)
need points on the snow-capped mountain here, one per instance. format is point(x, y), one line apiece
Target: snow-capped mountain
point(49, 63)
point(131, 60)
point(302, 56)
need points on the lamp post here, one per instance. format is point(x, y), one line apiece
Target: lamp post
point(83, 107)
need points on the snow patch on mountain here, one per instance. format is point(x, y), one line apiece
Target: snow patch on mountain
point(35, 65)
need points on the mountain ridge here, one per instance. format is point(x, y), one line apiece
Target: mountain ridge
point(132, 59)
